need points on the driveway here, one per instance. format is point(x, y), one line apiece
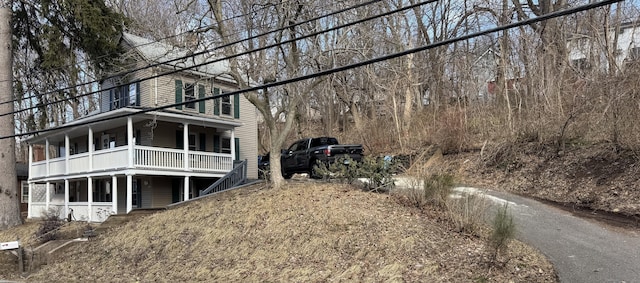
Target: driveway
point(581, 250)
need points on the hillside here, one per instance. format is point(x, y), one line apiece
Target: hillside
point(600, 179)
point(307, 232)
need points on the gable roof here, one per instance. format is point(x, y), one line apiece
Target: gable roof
point(158, 52)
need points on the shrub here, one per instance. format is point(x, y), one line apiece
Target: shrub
point(467, 212)
point(50, 225)
point(437, 188)
point(377, 172)
point(504, 229)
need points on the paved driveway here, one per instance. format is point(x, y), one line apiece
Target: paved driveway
point(581, 250)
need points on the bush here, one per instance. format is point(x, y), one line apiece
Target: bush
point(50, 225)
point(503, 231)
point(437, 188)
point(376, 171)
point(467, 212)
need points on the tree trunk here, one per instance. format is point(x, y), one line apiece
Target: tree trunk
point(9, 199)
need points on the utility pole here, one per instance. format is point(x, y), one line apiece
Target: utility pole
point(9, 197)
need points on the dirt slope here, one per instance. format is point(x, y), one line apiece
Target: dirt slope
point(599, 178)
point(304, 233)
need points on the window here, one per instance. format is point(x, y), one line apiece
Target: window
point(125, 95)
point(101, 191)
point(189, 95)
point(225, 145)
point(135, 193)
point(25, 191)
point(226, 105)
point(634, 54)
point(192, 142)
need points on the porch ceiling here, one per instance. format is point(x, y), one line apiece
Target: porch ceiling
point(108, 120)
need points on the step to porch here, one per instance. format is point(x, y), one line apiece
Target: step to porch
point(116, 220)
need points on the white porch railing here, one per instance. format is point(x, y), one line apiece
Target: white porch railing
point(80, 210)
point(143, 157)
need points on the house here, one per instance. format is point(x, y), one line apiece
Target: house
point(588, 50)
point(119, 159)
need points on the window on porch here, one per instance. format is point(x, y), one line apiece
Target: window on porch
point(24, 185)
point(102, 191)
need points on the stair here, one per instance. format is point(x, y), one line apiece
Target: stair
point(116, 220)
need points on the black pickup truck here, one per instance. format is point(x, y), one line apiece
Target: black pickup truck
point(303, 155)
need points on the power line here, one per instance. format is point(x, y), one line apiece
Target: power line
point(193, 30)
point(182, 58)
point(346, 67)
point(232, 56)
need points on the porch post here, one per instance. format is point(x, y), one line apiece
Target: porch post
point(29, 209)
point(233, 145)
point(30, 160)
point(47, 195)
point(90, 197)
point(129, 193)
point(130, 140)
point(90, 145)
point(186, 188)
point(66, 153)
point(186, 145)
point(46, 155)
point(114, 194)
point(66, 196)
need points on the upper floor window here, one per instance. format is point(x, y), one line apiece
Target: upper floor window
point(189, 95)
point(226, 105)
point(124, 95)
point(634, 54)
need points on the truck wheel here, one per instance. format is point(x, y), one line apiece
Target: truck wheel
point(287, 176)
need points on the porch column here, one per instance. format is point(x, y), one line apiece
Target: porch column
point(114, 194)
point(186, 188)
point(129, 193)
point(47, 196)
point(130, 142)
point(90, 197)
point(29, 209)
point(30, 159)
point(46, 155)
point(66, 153)
point(66, 197)
point(90, 145)
point(233, 145)
point(185, 142)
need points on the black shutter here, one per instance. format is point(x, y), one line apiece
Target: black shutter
point(179, 93)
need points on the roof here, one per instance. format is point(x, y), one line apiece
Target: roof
point(158, 52)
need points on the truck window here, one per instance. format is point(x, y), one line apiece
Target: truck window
point(323, 141)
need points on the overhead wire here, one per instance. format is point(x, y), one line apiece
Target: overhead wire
point(193, 55)
point(548, 16)
point(158, 40)
point(178, 70)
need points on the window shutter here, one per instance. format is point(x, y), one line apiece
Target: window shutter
point(179, 93)
point(201, 95)
point(236, 106)
point(138, 94)
point(216, 101)
point(179, 140)
point(237, 148)
point(111, 99)
point(216, 143)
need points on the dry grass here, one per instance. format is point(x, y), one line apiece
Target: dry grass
point(304, 233)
